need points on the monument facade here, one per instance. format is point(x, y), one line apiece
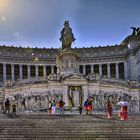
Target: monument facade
point(38, 75)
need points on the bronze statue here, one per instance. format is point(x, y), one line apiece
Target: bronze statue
point(67, 36)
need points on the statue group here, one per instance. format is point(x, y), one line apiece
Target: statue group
point(136, 31)
point(67, 36)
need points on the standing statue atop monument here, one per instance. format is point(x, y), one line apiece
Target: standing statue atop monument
point(67, 36)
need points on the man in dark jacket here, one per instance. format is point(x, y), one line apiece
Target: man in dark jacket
point(7, 105)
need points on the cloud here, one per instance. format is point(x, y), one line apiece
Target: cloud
point(3, 18)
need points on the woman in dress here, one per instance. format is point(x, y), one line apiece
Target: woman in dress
point(109, 110)
point(123, 114)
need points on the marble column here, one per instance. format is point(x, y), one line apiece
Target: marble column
point(36, 71)
point(20, 71)
point(65, 95)
point(52, 69)
point(85, 91)
point(100, 69)
point(108, 70)
point(125, 71)
point(29, 71)
point(76, 97)
point(117, 70)
point(4, 71)
point(12, 72)
point(44, 71)
point(92, 68)
point(84, 69)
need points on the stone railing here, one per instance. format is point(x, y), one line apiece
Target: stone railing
point(9, 83)
point(31, 80)
point(98, 78)
point(133, 83)
point(93, 77)
point(54, 77)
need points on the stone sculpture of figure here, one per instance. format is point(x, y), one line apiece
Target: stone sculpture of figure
point(67, 36)
point(136, 31)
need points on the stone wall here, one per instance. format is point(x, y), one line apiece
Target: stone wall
point(101, 94)
point(37, 96)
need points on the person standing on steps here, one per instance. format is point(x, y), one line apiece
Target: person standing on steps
point(53, 107)
point(14, 109)
point(61, 106)
point(23, 104)
point(109, 110)
point(123, 114)
point(7, 106)
point(86, 106)
point(90, 106)
point(80, 108)
point(50, 108)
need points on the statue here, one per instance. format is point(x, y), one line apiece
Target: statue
point(67, 36)
point(136, 31)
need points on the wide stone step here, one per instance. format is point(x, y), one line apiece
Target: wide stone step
point(74, 136)
point(68, 127)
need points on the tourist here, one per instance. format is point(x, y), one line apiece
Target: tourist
point(61, 106)
point(80, 108)
point(53, 107)
point(109, 110)
point(50, 107)
point(90, 107)
point(14, 109)
point(86, 106)
point(7, 106)
point(23, 104)
point(123, 114)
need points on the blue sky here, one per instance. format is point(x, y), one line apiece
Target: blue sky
point(94, 22)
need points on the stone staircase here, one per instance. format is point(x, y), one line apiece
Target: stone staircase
point(41, 126)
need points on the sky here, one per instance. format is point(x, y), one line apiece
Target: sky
point(38, 23)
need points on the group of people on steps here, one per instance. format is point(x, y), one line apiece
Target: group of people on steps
point(88, 107)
